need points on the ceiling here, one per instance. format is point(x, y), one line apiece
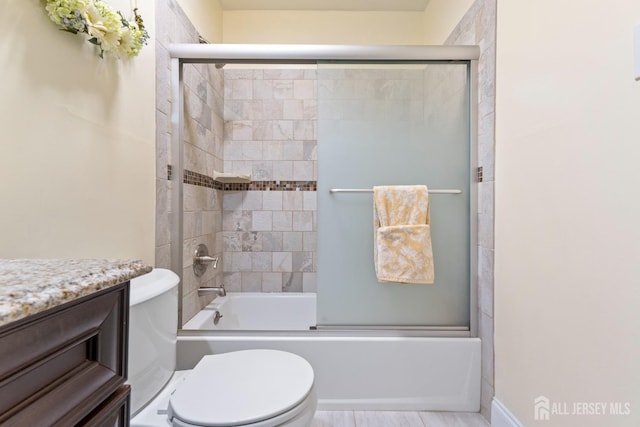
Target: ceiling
point(359, 5)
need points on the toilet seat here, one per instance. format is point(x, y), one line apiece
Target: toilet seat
point(249, 387)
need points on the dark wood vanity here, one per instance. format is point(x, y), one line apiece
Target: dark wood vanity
point(67, 365)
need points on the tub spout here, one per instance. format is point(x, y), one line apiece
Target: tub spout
point(220, 291)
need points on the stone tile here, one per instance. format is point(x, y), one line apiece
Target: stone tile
point(272, 200)
point(273, 109)
point(236, 221)
point(282, 221)
point(485, 231)
point(283, 89)
point(232, 201)
point(485, 280)
point(262, 130)
point(282, 262)
point(188, 225)
point(272, 150)
point(303, 171)
point(272, 242)
point(240, 261)
point(239, 89)
point(262, 89)
point(310, 241)
point(242, 130)
point(283, 170)
point(309, 282)
point(291, 282)
point(232, 150)
point(210, 222)
point(302, 261)
point(293, 109)
point(163, 224)
point(261, 261)
point(262, 171)
point(232, 241)
point(282, 129)
point(310, 109)
point(251, 241)
point(486, 202)
point(292, 241)
point(486, 398)
point(485, 332)
point(284, 73)
point(232, 282)
point(163, 256)
point(304, 130)
point(271, 282)
point(310, 200)
point(262, 221)
point(251, 282)
point(292, 150)
point(252, 150)
point(304, 89)
point(303, 221)
point(310, 150)
point(292, 200)
point(251, 200)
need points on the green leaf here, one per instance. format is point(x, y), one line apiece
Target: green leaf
point(69, 30)
point(94, 40)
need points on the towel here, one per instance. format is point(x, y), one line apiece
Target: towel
point(402, 234)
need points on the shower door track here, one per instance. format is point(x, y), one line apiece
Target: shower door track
point(400, 330)
point(192, 53)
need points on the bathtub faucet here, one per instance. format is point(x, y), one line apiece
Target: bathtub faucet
point(219, 290)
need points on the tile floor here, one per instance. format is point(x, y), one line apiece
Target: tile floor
point(397, 419)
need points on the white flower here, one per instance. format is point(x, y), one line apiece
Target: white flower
point(107, 29)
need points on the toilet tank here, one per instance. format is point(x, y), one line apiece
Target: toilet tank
point(153, 326)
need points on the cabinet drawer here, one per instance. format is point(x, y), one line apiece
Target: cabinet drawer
point(113, 412)
point(57, 366)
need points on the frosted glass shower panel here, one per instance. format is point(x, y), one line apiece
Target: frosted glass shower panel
point(392, 124)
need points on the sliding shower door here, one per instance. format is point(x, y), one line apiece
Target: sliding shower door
point(392, 124)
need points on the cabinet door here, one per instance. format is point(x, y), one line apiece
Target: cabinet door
point(58, 366)
point(113, 412)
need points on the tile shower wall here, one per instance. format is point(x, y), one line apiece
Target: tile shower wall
point(203, 128)
point(478, 28)
point(269, 236)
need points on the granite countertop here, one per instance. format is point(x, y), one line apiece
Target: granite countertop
point(28, 286)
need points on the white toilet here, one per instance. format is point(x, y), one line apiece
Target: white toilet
point(253, 388)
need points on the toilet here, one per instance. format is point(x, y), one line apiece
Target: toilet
point(253, 388)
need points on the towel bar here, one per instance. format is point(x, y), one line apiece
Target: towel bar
point(370, 190)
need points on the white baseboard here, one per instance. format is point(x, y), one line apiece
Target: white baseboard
point(501, 416)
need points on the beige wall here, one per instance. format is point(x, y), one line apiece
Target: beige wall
point(206, 16)
point(441, 17)
point(77, 145)
point(567, 208)
point(323, 27)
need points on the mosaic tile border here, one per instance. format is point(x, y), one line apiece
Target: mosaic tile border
point(195, 178)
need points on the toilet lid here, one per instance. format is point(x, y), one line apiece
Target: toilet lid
point(241, 387)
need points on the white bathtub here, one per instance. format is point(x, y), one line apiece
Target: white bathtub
point(354, 370)
point(258, 311)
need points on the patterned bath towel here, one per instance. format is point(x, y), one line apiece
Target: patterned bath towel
point(402, 234)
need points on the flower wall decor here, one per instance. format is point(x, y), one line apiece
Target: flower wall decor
point(106, 28)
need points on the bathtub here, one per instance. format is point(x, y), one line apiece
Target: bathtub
point(355, 370)
point(259, 312)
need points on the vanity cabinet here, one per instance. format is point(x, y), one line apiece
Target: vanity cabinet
point(67, 365)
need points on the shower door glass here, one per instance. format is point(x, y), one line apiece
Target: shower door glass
point(392, 124)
